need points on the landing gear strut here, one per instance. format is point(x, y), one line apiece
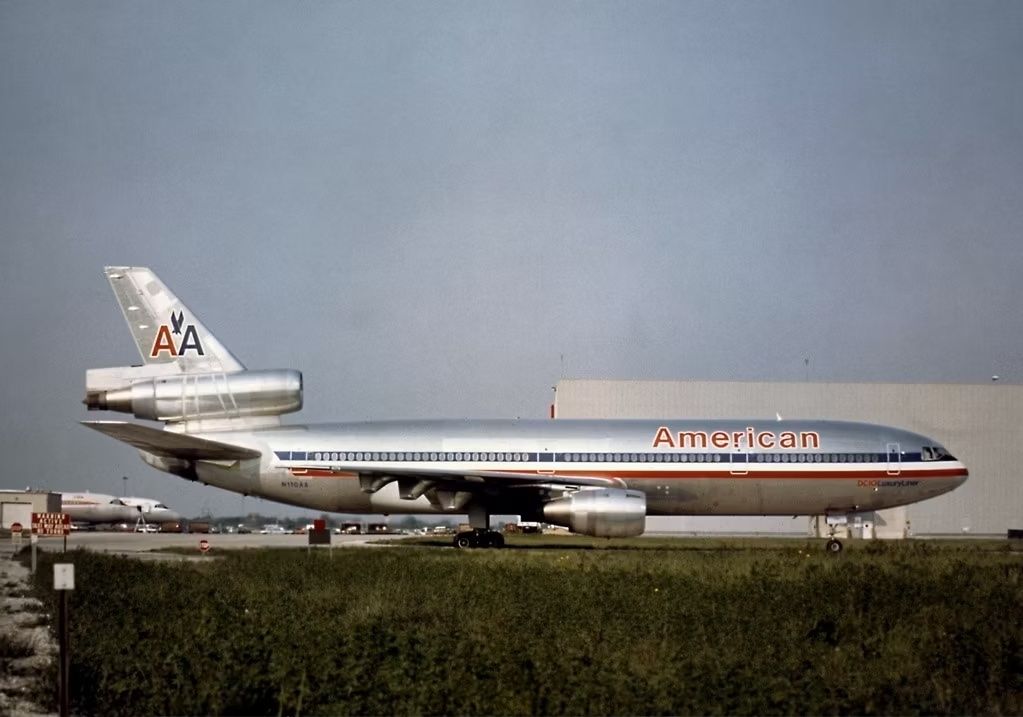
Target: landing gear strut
point(479, 538)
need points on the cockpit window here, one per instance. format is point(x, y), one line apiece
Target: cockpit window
point(161, 506)
point(117, 501)
point(933, 453)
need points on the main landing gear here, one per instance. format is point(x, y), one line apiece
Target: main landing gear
point(479, 538)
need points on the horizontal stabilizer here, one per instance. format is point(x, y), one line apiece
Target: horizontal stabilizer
point(171, 445)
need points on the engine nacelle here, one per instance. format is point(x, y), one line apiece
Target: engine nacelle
point(603, 512)
point(207, 395)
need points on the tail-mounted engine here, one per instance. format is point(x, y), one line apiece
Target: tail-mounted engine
point(185, 397)
point(603, 512)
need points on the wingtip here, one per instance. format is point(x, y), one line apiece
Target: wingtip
point(98, 425)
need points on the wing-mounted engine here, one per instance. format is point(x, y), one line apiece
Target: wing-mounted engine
point(602, 512)
point(195, 396)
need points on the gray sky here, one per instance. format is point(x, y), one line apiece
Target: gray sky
point(423, 205)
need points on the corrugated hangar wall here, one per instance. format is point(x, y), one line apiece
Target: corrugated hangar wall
point(980, 424)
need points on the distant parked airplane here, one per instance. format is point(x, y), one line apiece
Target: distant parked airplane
point(96, 508)
point(595, 477)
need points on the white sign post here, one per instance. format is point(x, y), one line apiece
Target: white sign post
point(63, 581)
point(63, 576)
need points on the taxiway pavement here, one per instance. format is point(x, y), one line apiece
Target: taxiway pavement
point(143, 544)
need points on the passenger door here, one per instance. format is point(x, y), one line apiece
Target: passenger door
point(894, 459)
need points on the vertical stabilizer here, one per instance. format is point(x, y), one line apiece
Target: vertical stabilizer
point(164, 329)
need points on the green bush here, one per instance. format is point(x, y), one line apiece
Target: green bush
point(665, 630)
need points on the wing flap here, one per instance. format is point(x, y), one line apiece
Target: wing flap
point(485, 480)
point(171, 445)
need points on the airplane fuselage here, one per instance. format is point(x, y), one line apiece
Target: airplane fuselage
point(96, 508)
point(684, 467)
point(222, 426)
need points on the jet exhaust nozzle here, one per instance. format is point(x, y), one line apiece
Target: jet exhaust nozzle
point(190, 396)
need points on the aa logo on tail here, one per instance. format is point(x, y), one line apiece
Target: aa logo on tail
point(165, 341)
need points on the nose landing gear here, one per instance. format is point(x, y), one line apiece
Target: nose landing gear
point(833, 546)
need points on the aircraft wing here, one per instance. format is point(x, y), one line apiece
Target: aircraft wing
point(449, 490)
point(493, 479)
point(171, 445)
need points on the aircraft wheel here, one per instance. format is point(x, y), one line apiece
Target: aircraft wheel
point(464, 540)
point(833, 546)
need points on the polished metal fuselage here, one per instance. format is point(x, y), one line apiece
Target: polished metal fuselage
point(227, 421)
point(843, 467)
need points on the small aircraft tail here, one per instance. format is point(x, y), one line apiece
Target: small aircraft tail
point(164, 329)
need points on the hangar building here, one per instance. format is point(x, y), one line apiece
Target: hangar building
point(17, 506)
point(978, 423)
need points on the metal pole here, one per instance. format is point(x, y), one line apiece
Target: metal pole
point(34, 539)
point(65, 656)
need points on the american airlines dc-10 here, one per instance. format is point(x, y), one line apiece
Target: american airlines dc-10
point(596, 477)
